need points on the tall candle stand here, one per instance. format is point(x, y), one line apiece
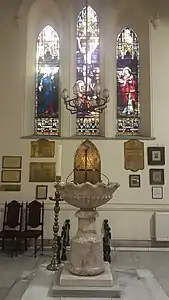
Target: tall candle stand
point(54, 264)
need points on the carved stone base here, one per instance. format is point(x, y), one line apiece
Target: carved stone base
point(86, 255)
point(103, 280)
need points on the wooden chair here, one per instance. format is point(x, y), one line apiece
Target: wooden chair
point(34, 219)
point(12, 222)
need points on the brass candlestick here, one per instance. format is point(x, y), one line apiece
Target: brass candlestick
point(54, 264)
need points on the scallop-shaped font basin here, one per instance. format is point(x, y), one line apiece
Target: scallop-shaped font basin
point(86, 195)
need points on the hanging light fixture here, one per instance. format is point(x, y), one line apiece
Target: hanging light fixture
point(86, 99)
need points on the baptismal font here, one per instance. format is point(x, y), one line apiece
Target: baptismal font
point(86, 253)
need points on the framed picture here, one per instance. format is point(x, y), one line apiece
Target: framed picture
point(41, 191)
point(134, 181)
point(156, 156)
point(11, 162)
point(156, 176)
point(157, 192)
point(11, 176)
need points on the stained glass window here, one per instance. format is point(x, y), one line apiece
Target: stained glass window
point(128, 104)
point(47, 83)
point(88, 34)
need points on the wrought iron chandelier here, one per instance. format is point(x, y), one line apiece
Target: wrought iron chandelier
point(87, 97)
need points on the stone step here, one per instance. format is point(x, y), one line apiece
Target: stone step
point(85, 292)
point(100, 286)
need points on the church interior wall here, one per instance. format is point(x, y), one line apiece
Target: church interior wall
point(130, 211)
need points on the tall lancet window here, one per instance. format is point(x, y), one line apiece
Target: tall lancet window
point(88, 34)
point(128, 103)
point(47, 83)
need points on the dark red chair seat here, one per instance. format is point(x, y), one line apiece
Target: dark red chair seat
point(31, 234)
point(9, 234)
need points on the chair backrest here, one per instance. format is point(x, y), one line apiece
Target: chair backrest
point(13, 215)
point(34, 214)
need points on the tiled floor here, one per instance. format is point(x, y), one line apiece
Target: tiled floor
point(17, 272)
point(156, 262)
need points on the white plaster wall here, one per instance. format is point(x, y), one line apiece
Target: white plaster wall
point(131, 210)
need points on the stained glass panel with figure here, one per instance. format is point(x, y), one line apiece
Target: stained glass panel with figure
point(47, 83)
point(88, 35)
point(128, 104)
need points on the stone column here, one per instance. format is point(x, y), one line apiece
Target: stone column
point(86, 255)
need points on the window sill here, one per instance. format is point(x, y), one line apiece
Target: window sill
point(133, 137)
point(37, 137)
point(83, 137)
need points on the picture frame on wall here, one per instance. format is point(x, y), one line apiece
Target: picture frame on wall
point(157, 192)
point(156, 176)
point(41, 192)
point(11, 176)
point(156, 156)
point(11, 162)
point(134, 181)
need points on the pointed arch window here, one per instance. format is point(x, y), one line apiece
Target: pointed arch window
point(127, 71)
point(47, 83)
point(88, 124)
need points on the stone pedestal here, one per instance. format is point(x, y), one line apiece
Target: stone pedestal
point(86, 255)
point(100, 286)
point(103, 280)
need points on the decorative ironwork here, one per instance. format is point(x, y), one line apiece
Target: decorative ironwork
point(84, 101)
point(106, 241)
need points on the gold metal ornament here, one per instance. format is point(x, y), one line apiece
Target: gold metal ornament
point(55, 263)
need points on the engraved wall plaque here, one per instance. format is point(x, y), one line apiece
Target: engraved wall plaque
point(42, 148)
point(11, 176)
point(12, 162)
point(42, 172)
point(10, 187)
point(134, 155)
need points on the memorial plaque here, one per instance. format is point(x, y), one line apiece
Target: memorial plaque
point(43, 148)
point(10, 187)
point(42, 172)
point(134, 155)
point(11, 176)
point(11, 162)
